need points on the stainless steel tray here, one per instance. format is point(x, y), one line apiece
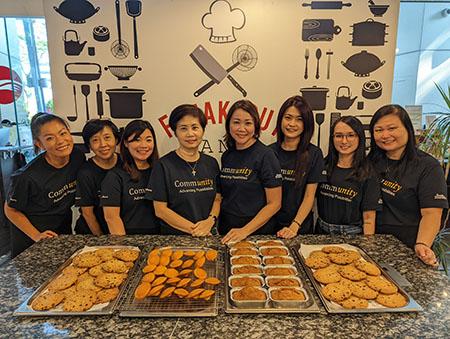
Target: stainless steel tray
point(308, 307)
point(374, 307)
point(171, 306)
point(26, 310)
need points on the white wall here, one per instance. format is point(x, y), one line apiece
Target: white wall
point(17, 8)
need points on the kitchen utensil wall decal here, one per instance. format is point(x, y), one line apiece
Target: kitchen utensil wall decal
point(77, 11)
point(343, 98)
point(99, 99)
point(244, 58)
point(73, 118)
point(86, 90)
point(327, 4)
point(306, 63)
point(319, 30)
point(101, 33)
point(83, 71)
point(315, 96)
point(329, 55)
point(134, 9)
point(363, 63)
point(318, 56)
point(320, 118)
point(119, 48)
point(222, 21)
point(368, 33)
point(125, 103)
point(72, 45)
point(372, 89)
point(377, 10)
point(123, 72)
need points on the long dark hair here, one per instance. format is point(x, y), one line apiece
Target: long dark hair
point(136, 128)
point(302, 161)
point(251, 109)
point(360, 166)
point(39, 120)
point(409, 154)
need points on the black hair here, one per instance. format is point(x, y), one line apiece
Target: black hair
point(94, 126)
point(251, 109)
point(39, 120)
point(135, 128)
point(361, 168)
point(181, 111)
point(409, 154)
point(302, 160)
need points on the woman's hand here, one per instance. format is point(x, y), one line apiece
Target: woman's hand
point(45, 235)
point(235, 235)
point(202, 228)
point(287, 232)
point(426, 254)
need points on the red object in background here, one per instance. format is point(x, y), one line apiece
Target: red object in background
point(7, 94)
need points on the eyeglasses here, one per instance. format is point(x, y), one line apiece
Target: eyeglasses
point(349, 136)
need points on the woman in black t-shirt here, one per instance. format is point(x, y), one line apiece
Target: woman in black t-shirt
point(125, 188)
point(301, 166)
point(184, 182)
point(250, 178)
point(412, 182)
point(101, 137)
point(43, 191)
point(347, 202)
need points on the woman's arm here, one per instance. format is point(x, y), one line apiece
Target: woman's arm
point(91, 220)
point(203, 227)
point(115, 223)
point(172, 218)
point(273, 205)
point(21, 222)
point(429, 226)
point(303, 211)
point(369, 222)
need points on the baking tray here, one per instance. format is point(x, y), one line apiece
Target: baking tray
point(26, 310)
point(374, 307)
point(308, 307)
point(171, 306)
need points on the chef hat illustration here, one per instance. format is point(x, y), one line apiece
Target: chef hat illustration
point(222, 20)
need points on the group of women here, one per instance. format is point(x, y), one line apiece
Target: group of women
point(396, 189)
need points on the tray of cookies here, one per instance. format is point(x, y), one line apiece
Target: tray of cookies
point(174, 282)
point(90, 282)
point(347, 280)
point(263, 277)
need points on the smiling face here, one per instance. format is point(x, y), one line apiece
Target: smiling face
point(292, 123)
point(141, 148)
point(345, 139)
point(103, 143)
point(55, 138)
point(242, 129)
point(391, 135)
point(189, 133)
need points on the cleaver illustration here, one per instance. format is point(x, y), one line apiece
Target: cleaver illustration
point(213, 70)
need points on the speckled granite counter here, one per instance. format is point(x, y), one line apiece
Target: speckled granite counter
point(20, 277)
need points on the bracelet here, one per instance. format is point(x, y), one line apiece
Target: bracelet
point(214, 217)
point(421, 243)
point(296, 223)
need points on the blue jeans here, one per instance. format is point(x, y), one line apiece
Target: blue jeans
point(334, 229)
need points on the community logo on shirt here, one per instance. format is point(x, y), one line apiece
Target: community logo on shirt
point(194, 186)
point(236, 173)
point(58, 195)
point(438, 196)
point(138, 193)
point(337, 192)
point(390, 187)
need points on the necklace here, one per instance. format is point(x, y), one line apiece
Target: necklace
point(193, 171)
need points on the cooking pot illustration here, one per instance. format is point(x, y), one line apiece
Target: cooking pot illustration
point(315, 96)
point(362, 63)
point(77, 11)
point(72, 46)
point(125, 103)
point(369, 33)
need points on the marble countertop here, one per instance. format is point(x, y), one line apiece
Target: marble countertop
point(24, 274)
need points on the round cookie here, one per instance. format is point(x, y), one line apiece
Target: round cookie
point(127, 254)
point(105, 253)
point(336, 292)
point(367, 267)
point(361, 290)
point(352, 273)
point(87, 259)
point(96, 270)
point(343, 258)
point(392, 300)
point(314, 254)
point(74, 270)
point(114, 266)
point(107, 295)
point(346, 282)
point(327, 276)
point(354, 302)
point(109, 280)
point(62, 282)
point(80, 301)
point(317, 262)
point(47, 301)
point(381, 285)
point(332, 249)
point(88, 284)
point(84, 276)
point(68, 291)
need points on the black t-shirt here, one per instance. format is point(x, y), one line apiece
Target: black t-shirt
point(421, 186)
point(45, 194)
point(243, 177)
point(190, 196)
point(292, 195)
point(88, 193)
point(342, 201)
point(136, 212)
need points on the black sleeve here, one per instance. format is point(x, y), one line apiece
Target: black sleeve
point(432, 188)
point(19, 192)
point(371, 200)
point(217, 177)
point(270, 171)
point(316, 174)
point(111, 190)
point(86, 192)
point(77, 157)
point(158, 183)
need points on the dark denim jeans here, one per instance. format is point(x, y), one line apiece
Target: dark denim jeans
point(333, 229)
